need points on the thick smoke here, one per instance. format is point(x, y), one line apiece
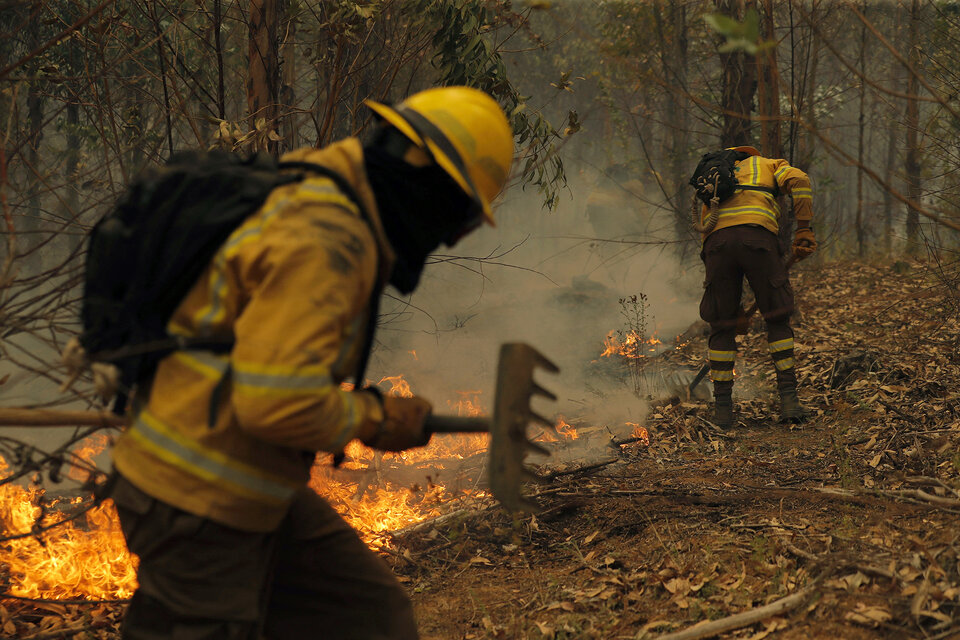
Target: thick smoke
point(554, 280)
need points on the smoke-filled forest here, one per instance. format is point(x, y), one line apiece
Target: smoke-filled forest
point(652, 515)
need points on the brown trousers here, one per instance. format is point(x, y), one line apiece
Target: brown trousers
point(729, 255)
point(312, 578)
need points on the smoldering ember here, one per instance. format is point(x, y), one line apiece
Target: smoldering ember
point(479, 319)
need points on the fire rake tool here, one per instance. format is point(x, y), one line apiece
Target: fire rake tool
point(743, 326)
point(509, 443)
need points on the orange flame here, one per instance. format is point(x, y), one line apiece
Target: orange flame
point(633, 345)
point(83, 558)
point(398, 386)
point(468, 404)
point(87, 558)
point(640, 433)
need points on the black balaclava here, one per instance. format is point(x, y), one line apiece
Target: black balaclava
point(420, 207)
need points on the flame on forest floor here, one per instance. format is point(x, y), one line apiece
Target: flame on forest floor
point(640, 433)
point(629, 345)
point(84, 558)
point(87, 557)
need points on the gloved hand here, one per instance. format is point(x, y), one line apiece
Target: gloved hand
point(804, 243)
point(402, 427)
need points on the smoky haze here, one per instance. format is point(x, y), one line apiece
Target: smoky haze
point(553, 280)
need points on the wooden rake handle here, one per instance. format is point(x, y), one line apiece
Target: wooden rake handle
point(21, 417)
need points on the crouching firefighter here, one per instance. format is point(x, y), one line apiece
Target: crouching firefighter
point(739, 226)
point(212, 475)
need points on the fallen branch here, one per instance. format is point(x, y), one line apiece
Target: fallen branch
point(583, 469)
point(433, 522)
point(743, 619)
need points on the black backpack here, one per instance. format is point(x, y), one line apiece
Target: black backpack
point(146, 254)
point(715, 172)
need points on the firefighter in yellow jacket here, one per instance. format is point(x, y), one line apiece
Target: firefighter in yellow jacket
point(744, 243)
point(212, 491)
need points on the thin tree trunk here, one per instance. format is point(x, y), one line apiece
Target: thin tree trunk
point(73, 154)
point(263, 79)
point(218, 51)
point(860, 139)
point(35, 104)
point(768, 89)
point(912, 165)
point(893, 143)
point(288, 55)
point(739, 84)
point(673, 61)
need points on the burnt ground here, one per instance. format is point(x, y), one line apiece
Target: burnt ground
point(855, 512)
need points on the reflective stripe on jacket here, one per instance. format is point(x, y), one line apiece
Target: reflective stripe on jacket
point(292, 284)
point(759, 207)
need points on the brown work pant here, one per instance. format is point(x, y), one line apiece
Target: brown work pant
point(313, 578)
point(729, 255)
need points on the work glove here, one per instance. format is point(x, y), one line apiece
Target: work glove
point(804, 243)
point(402, 427)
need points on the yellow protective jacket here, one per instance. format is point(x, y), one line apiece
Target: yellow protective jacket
point(292, 285)
point(758, 207)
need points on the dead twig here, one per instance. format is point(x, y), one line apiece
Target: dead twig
point(578, 470)
point(743, 619)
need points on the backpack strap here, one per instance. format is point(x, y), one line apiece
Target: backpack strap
point(374, 304)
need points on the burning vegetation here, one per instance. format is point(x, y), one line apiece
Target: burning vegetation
point(67, 548)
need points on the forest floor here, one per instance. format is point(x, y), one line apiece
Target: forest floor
point(857, 510)
point(849, 522)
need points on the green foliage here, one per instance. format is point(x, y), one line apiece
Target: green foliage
point(464, 54)
point(740, 36)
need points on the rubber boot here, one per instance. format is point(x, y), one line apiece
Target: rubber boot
point(723, 404)
point(790, 408)
point(723, 412)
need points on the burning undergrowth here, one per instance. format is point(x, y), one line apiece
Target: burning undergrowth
point(64, 548)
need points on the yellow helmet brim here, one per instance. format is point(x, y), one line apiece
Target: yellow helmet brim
point(390, 115)
point(745, 149)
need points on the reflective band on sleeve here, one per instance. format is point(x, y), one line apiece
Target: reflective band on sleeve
point(722, 356)
point(213, 466)
point(781, 345)
point(783, 365)
point(261, 384)
point(207, 364)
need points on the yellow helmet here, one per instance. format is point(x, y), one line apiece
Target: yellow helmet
point(751, 150)
point(465, 131)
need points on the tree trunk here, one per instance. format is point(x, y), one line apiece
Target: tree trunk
point(860, 138)
point(288, 54)
point(739, 84)
point(35, 103)
point(263, 79)
point(768, 89)
point(218, 52)
point(72, 159)
point(673, 59)
point(912, 165)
